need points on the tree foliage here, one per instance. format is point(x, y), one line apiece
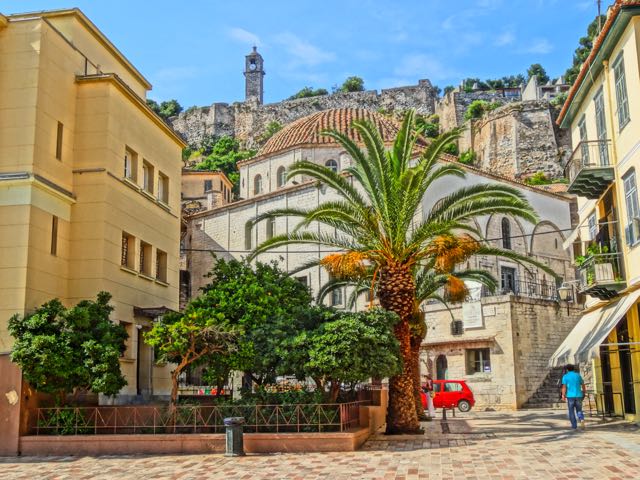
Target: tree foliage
point(190, 337)
point(166, 109)
point(62, 350)
point(584, 49)
point(377, 225)
point(478, 108)
point(352, 84)
point(270, 130)
point(307, 92)
point(538, 70)
point(348, 348)
point(262, 304)
point(223, 154)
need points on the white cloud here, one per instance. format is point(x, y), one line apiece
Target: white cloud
point(303, 52)
point(243, 36)
point(422, 66)
point(539, 45)
point(504, 39)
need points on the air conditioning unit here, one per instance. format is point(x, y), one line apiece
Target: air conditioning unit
point(457, 327)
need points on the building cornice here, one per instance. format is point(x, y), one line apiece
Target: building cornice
point(93, 30)
point(618, 19)
point(10, 179)
point(134, 98)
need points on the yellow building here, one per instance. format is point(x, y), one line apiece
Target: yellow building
point(603, 112)
point(89, 189)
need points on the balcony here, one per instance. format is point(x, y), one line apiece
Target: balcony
point(589, 169)
point(601, 275)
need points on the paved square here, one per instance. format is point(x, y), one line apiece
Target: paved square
point(532, 444)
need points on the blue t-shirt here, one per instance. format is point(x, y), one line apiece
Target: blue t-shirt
point(573, 381)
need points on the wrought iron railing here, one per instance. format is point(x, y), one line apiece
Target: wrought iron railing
point(295, 418)
point(588, 154)
point(525, 287)
point(601, 268)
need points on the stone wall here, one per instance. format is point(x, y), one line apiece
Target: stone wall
point(517, 140)
point(247, 121)
point(538, 327)
point(452, 107)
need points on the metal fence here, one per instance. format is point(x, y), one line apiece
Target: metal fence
point(525, 287)
point(330, 417)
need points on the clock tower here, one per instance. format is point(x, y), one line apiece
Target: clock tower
point(254, 76)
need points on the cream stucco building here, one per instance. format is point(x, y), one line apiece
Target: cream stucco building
point(602, 112)
point(89, 190)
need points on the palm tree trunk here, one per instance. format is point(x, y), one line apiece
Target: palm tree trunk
point(416, 341)
point(397, 294)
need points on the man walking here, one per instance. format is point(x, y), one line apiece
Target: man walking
point(573, 391)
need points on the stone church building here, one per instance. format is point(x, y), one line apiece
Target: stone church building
point(500, 341)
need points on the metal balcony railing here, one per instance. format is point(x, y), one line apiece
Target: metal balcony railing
point(601, 275)
point(589, 169)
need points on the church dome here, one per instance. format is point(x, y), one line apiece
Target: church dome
point(307, 131)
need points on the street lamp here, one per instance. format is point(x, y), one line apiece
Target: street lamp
point(565, 291)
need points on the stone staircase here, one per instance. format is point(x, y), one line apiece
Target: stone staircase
point(548, 393)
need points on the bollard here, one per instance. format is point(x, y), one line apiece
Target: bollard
point(235, 447)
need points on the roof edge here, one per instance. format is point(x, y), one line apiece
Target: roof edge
point(142, 105)
point(94, 30)
point(599, 44)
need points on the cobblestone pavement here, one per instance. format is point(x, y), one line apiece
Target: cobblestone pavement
point(481, 445)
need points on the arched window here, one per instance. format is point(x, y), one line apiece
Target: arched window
point(257, 184)
point(281, 176)
point(331, 164)
point(271, 228)
point(247, 237)
point(506, 233)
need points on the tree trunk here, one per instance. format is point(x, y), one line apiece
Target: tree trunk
point(416, 341)
point(334, 391)
point(174, 387)
point(397, 294)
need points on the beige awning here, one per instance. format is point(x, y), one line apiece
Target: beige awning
point(583, 343)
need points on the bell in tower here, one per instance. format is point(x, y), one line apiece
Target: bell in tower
point(254, 76)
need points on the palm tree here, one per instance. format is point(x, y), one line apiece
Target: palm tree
point(378, 224)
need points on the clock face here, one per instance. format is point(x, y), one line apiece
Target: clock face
point(252, 66)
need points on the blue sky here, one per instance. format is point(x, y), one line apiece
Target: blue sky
point(194, 50)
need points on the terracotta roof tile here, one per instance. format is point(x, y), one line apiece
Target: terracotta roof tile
point(308, 130)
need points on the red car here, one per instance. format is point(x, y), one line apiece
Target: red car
point(449, 394)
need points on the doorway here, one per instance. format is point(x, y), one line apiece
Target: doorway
point(441, 367)
point(144, 363)
point(626, 368)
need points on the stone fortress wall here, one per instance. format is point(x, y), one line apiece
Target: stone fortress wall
point(517, 139)
point(248, 120)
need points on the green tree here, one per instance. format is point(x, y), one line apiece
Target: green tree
point(307, 92)
point(350, 348)
point(63, 350)
point(190, 337)
point(378, 227)
point(270, 130)
point(538, 70)
point(261, 304)
point(584, 49)
point(224, 156)
point(165, 109)
point(478, 108)
point(352, 84)
point(448, 89)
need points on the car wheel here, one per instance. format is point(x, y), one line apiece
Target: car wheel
point(464, 405)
